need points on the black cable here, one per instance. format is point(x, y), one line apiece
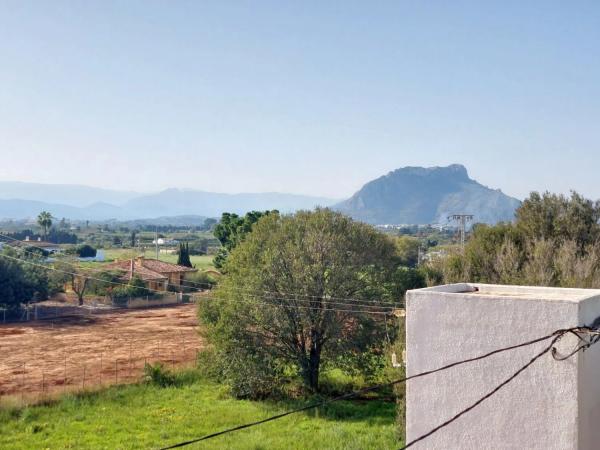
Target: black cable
point(556, 336)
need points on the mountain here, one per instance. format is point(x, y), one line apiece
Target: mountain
point(422, 195)
point(175, 202)
point(26, 200)
point(66, 194)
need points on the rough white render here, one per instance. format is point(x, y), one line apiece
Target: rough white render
point(552, 405)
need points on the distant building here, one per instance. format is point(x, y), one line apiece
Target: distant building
point(164, 241)
point(158, 275)
point(49, 247)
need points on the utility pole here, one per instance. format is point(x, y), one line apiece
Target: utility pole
point(462, 220)
point(156, 241)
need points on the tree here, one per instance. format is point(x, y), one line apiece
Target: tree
point(555, 241)
point(21, 282)
point(67, 274)
point(183, 258)
point(231, 230)
point(78, 285)
point(44, 220)
point(132, 239)
point(556, 217)
point(83, 251)
point(276, 307)
point(407, 248)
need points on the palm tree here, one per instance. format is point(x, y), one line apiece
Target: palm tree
point(44, 220)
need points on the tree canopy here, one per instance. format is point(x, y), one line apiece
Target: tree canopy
point(276, 310)
point(44, 220)
point(21, 282)
point(232, 229)
point(183, 256)
point(554, 241)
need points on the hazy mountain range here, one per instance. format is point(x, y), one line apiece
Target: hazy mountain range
point(26, 200)
point(408, 195)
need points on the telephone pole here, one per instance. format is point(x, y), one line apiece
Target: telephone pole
point(156, 241)
point(462, 220)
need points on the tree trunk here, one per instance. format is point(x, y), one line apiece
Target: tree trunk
point(314, 364)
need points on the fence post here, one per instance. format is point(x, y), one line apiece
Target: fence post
point(130, 360)
point(23, 385)
point(116, 371)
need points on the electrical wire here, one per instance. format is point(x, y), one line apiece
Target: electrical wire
point(555, 337)
point(325, 300)
point(356, 311)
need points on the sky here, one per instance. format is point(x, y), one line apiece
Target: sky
point(304, 97)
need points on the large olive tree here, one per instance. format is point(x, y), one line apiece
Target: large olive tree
point(278, 309)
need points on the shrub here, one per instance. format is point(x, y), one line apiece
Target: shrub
point(157, 375)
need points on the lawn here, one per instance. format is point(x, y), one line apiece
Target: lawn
point(147, 416)
point(200, 261)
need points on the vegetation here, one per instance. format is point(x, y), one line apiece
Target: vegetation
point(262, 340)
point(21, 282)
point(555, 241)
point(83, 251)
point(150, 416)
point(232, 229)
point(44, 220)
point(183, 258)
point(54, 235)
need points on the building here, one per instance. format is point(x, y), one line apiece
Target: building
point(158, 275)
point(49, 247)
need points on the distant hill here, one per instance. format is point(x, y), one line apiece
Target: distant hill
point(419, 195)
point(26, 200)
point(175, 202)
point(65, 194)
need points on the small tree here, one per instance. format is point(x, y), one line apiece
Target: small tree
point(44, 220)
point(183, 258)
point(79, 284)
point(302, 261)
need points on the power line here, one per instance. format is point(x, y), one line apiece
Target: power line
point(162, 292)
point(555, 337)
point(43, 266)
point(325, 297)
point(261, 301)
point(357, 303)
point(387, 307)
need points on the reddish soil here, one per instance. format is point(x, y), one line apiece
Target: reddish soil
point(45, 357)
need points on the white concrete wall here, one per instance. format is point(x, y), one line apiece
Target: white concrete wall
point(541, 409)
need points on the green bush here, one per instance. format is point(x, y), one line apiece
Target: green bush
point(157, 375)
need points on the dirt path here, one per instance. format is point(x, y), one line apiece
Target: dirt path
point(46, 357)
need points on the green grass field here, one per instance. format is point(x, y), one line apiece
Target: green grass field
point(147, 416)
point(201, 261)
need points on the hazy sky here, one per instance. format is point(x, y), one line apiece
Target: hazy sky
point(298, 96)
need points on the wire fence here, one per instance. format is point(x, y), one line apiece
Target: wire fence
point(67, 305)
point(35, 381)
point(42, 360)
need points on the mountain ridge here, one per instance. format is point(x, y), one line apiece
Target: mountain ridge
point(421, 195)
point(408, 195)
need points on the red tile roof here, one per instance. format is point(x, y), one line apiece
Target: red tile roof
point(139, 270)
point(149, 269)
point(165, 267)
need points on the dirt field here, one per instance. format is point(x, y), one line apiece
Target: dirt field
point(42, 358)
